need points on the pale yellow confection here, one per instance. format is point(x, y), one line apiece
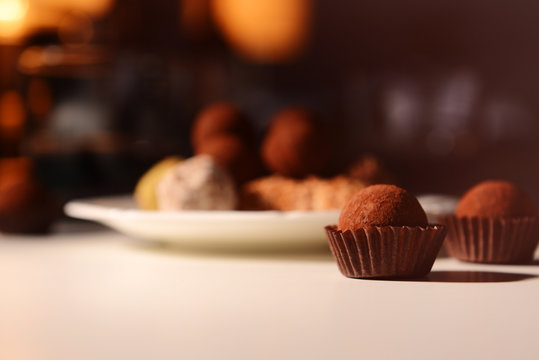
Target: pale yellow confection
point(145, 191)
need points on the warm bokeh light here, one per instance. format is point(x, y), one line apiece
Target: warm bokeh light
point(265, 30)
point(11, 10)
point(94, 8)
point(12, 15)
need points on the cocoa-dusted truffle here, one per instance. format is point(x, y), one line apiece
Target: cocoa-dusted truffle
point(232, 154)
point(495, 222)
point(496, 199)
point(294, 145)
point(383, 233)
point(382, 205)
point(221, 118)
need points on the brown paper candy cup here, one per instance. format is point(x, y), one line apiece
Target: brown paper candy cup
point(491, 240)
point(386, 251)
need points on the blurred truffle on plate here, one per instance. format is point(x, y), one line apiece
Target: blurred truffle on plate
point(233, 154)
point(370, 169)
point(286, 194)
point(221, 118)
point(25, 205)
point(197, 183)
point(296, 145)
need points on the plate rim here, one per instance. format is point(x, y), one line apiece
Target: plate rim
point(90, 209)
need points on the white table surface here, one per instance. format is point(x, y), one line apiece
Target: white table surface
point(94, 294)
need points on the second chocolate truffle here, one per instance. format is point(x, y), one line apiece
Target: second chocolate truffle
point(497, 199)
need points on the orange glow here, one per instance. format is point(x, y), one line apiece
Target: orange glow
point(94, 8)
point(12, 14)
point(265, 30)
point(11, 10)
point(11, 114)
point(14, 170)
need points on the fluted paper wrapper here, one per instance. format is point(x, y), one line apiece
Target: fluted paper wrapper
point(491, 240)
point(386, 251)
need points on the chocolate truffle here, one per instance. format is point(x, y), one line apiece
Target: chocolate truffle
point(383, 233)
point(294, 145)
point(496, 199)
point(197, 183)
point(221, 118)
point(232, 154)
point(495, 222)
point(382, 205)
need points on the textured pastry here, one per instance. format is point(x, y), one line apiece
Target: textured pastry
point(312, 193)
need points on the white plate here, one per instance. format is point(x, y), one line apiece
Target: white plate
point(250, 230)
point(437, 205)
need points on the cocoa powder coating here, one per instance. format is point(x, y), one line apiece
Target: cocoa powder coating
point(382, 205)
point(496, 199)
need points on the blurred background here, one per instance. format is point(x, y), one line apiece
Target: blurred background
point(445, 93)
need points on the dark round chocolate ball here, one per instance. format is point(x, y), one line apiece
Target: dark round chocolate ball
point(232, 154)
point(25, 207)
point(370, 170)
point(221, 118)
point(382, 205)
point(294, 145)
point(497, 199)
